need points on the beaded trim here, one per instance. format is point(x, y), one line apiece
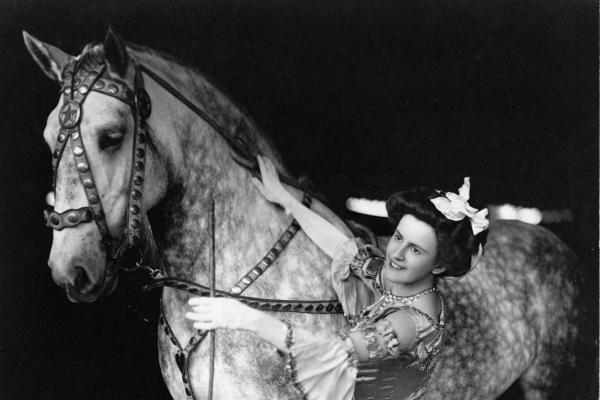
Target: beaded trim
point(291, 362)
point(388, 299)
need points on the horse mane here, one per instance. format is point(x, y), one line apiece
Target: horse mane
point(212, 98)
point(215, 100)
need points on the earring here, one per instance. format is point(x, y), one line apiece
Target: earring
point(438, 270)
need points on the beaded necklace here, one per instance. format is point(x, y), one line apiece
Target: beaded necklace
point(389, 298)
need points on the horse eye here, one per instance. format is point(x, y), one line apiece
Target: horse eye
point(110, 139)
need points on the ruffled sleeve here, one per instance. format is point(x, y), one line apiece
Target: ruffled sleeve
point(321, 364)
point(353, 270)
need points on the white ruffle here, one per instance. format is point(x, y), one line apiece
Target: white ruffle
point(323, 367)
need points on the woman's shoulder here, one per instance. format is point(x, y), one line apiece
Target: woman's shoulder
point(421, 314)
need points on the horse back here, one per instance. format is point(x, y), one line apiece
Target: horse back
point(515, 316)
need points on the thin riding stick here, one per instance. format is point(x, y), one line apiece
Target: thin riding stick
point(211, 229)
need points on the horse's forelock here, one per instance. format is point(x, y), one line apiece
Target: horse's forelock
point(92, 56)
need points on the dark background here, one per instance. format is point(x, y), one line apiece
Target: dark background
point(365, 97)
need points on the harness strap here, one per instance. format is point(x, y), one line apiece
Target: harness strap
point(275, 305)
point(267, 261)
point(77, 83)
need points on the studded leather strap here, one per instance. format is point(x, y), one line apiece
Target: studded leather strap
point(68, 218)
point(76, 85)
point(266, 262)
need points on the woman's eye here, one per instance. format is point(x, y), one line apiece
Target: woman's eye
point(415, 250)
point(397, 236)
point(111, 139)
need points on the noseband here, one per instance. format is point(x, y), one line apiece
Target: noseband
point(77, 83)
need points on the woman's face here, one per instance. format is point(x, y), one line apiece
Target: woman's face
point(411, 252)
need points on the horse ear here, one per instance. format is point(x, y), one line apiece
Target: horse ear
point(116, 52)
point(50, 59)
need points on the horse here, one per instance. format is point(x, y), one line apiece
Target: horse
point(154, 165)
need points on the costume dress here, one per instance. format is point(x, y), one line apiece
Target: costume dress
point(323, 364)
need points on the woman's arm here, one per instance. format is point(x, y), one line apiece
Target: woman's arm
point(212, 313)
point(369, 342)
point(319, 230)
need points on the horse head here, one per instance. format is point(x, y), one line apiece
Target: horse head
point(103, 161)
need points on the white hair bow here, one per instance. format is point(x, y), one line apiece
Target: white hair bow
point(456, 207)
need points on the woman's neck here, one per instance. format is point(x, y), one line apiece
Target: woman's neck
point(409, 289)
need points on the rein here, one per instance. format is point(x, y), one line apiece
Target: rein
point(248, 160)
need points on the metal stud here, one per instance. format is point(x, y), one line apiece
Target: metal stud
point(139, 165)
point(112, 88)
point(135, 194)
point(135, 223)
point(99, 84)
point(68, 90)
point(93, 199)
point(75, 135)
point(73, 217)
point(62, 137)
point(256, 271)
point(142, 137)
point(54, 219)
point(50, 198)
point(246, 280)
point(82, 167)
point(88, 183)
point(140, 153)
point(56, 153)
point(134, 209)
point(236, 290)
point(137, 180)
point(77, 151)
point(83, 89)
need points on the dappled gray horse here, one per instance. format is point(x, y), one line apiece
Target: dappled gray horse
point(136, 132)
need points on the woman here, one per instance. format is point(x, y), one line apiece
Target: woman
point(396, 313)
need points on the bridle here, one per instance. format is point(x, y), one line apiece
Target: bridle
point(77, 83)
point(127, 252)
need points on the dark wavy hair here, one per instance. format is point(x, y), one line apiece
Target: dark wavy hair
point(456, 243)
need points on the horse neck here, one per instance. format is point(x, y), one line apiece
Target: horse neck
point(202, 171)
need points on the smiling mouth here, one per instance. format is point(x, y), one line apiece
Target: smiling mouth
point(395, 266)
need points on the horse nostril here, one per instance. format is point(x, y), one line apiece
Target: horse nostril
point(81, 279)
